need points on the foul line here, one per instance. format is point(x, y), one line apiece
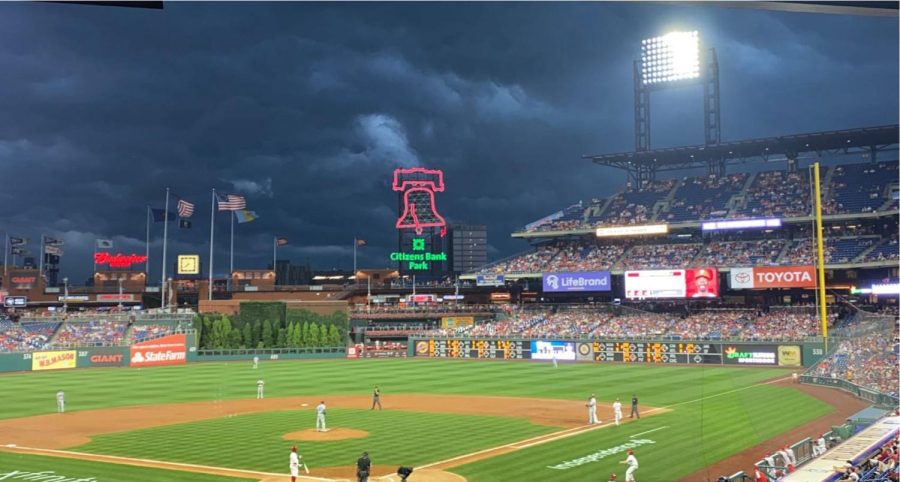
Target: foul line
point(161, 464)
point(552, 437)
point(648, 431)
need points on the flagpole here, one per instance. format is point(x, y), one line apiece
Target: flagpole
point(165, 242)
point(231, 262)
point(275, 255)
point(212, 219)
point(5, 260)
point(355, 281)
point(147, 247)
point(41, 260)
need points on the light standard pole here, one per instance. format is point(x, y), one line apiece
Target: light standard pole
point(169, 295)
point(120, 294)
point(65, 295)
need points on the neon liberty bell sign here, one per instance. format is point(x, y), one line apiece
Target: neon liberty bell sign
point(418, 186)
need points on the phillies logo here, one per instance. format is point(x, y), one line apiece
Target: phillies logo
point(418, 186)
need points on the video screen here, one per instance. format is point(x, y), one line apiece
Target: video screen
point(545, 350)
point(672, 283)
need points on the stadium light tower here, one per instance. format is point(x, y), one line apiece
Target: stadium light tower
point(672, 60)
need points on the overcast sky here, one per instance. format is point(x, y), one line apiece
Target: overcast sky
point(307, 108)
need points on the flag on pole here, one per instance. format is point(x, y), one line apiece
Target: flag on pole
point(17, 251)
point(104, 244)
point(18, 241)
point(231, 202)
point(185, 209)
point(361, 242)
point(54, 250)
point(245, 216)
point(281, 241)
point(184, 224)
point(53, 241)
point(159, 215)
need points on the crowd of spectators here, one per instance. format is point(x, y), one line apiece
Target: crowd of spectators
point(868, 360)
point(704, 197)
point(16, 337)
point(860, 188)
point(585, 257)
point(145, 332)
point(91, 333)
point(778, 194)
point(526, 263)
point(886, 251)
point(592, 322)
point(422, 308)
point(761, 252)
point(646, 256)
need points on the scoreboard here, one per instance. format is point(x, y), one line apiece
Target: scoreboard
point(650, 352)
point(466, 348)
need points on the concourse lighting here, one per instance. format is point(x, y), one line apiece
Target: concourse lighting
point(672, 57)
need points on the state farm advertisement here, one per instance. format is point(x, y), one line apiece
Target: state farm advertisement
point(773, 277)
point(672, 283)
point(168, 350)
point(53, 360)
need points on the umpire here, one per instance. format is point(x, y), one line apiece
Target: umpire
point(634, 407)
point(362, 467)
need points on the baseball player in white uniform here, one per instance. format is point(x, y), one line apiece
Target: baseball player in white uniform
point(60, 402)
point(259, 389)
point(255, 362)
point(617, 410)
point(555, 363)
point(632, 463)
point(320, 417)
point(592, 410)
point(295, 464)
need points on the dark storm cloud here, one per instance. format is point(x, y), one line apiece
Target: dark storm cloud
point(306, 109)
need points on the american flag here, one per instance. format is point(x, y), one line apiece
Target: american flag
point(232, 202)
point(185, 209)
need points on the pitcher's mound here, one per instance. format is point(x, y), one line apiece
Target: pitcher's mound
point(310, 435)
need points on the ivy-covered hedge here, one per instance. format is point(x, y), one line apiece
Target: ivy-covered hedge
point(271, 325)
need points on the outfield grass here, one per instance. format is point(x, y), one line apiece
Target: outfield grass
point(715, 412)
point(254, 442)
point(80, 469)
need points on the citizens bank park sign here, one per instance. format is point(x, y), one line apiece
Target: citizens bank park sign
point(773, 277)
point(168, 350)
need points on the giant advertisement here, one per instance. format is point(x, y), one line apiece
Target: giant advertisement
point(672, 283)
point(168, 350)
point(53, 360)
point(490, 280)
point(581, 281)
point(773, 277)
point(103, 357)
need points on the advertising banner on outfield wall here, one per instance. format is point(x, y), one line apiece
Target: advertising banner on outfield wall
point(582, 281)
point(773, 277)
point(739, 354)
point(53, 360)
point(103, 357)
point(168, 350)
point(457, 321)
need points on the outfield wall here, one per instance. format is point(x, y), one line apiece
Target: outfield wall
point(777, 354)
point(876, 398)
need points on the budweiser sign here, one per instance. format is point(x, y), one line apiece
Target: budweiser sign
point(168, 350)
point(118, 260)
point(773, 277)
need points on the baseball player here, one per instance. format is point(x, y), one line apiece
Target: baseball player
point(592, 410)
point(376, 398)
point(255, 362)
point(632, 463)
point(634, 407)
point(363, 466)
point(295, 464)
point(259, 389)
point(60, 402)
point(555, 363)
point(617, 410)
point(320, 417)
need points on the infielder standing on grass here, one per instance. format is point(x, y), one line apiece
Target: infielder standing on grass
point(376, 398)
point(295, 464)
point(634, 407)
point(259, 389)
point(592, 410)
point(60, 402)
point(320, 417)
point(617, 410)
point(632, 466)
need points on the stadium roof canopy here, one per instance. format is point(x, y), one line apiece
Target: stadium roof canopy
point(865, 140)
